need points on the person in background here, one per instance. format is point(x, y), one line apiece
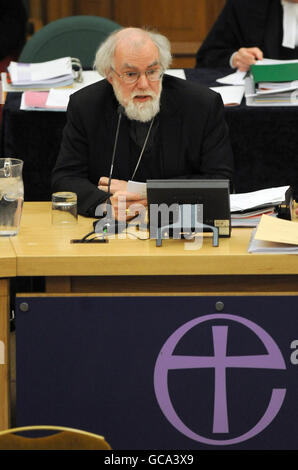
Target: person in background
point(138, 124)
point(13, 26)
point(250, 30)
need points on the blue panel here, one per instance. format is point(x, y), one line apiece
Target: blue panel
point(94, 363)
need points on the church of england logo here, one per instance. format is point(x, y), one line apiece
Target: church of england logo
point(220, 362)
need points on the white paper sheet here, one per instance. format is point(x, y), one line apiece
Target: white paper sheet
point(245, 201)
point(179, 73)
point(266, 61)
point(235, 78)
point(137, 188)
point(40, 72)
point(58, 98)
point(231, 95)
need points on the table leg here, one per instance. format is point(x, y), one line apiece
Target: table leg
point(4, 354)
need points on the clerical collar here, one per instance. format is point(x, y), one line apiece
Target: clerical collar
point(139, 130)
point(290, 24)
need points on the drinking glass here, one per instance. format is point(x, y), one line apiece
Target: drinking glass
point(64, 208)
point(11, 195)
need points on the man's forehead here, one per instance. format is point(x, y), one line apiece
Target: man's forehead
point(129, 52)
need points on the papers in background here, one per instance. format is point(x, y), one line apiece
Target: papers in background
point(137, 188)
point(178, 73)
point(39, 101)
point(44, 74)
point(34, 100)
point(272, 83)
point(257, 199)
point(274, 235)
point(266, 61)
point(57, 98)
point(275, 71)
point(231, 95)
point(251, 218)
point(235, 78)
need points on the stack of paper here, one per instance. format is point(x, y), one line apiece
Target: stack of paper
point(233, 92)
point(39, 101)
point(251, 218)
point(274, 235)
point(258, 199)
point(56, 99)
point(272, 83)
point(45, 75)
point(248, 208)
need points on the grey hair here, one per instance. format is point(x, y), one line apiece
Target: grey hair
point(105, 54)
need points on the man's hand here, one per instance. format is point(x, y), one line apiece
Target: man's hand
point(127, 205)
point(116, 185)
point(245, 57)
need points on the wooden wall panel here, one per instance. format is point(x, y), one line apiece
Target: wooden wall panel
point(214, 7)
point(58, 9)
point(177, 19)
point(185, 22)
point(95, 7)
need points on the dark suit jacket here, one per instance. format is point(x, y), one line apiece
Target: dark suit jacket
point(193, 135)
point(245, 23)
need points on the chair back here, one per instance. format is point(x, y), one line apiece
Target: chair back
point(62, 439)
point(75, 36)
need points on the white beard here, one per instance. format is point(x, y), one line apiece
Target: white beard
point(143, 112)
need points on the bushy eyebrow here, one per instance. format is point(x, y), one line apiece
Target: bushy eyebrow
point(129, 66)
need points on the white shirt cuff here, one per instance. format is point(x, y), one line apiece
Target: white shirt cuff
point(231, 60)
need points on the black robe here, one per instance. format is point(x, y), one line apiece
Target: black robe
point(13, 24)
point(193, 140)
point(245, 23)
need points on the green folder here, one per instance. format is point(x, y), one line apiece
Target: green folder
point(275, 72)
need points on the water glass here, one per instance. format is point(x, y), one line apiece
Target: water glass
point(11, 196)
point(64, 208)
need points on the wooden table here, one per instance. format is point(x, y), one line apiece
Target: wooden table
point(7, 270)
point(138, 267)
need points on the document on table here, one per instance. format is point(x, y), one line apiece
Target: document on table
point(39, 101)
point(137, 188)
point(56, 98)
point(261, 198)
point(274, 235)
point(235, 78)
point(59, 98)
point(231, 95)
point(238, 78)
point(273, 229)
point(50, 73)
point(179, 73)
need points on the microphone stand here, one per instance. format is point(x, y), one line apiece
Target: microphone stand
point(111, 224)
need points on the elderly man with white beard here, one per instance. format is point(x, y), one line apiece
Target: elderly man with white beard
point(139, 124)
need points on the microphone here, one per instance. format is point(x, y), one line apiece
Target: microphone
point(111, 225)
point(120, 110)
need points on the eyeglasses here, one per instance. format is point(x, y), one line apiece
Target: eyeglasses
point(153, 75)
